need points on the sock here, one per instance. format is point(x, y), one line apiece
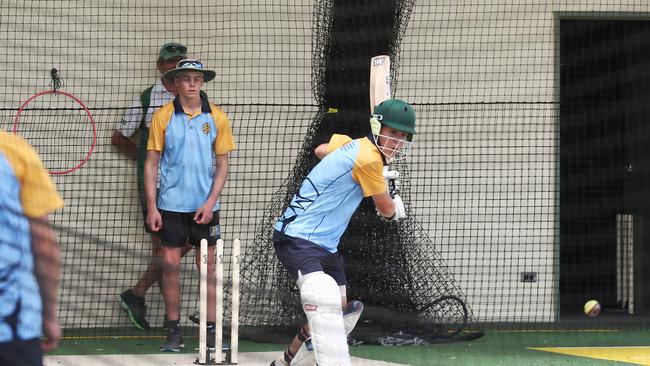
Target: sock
point(132, 294)
point(303, 334)
point(174, 325)
point(211, 327)
point(288, 356)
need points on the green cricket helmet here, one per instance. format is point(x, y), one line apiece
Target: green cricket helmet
point(397, 114)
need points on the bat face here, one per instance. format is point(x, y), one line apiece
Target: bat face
point(379, 80)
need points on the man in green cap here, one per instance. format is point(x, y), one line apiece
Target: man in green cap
point(136, 121)
point(306, 237)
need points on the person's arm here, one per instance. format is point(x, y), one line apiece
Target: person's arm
point(131, 122)
point(204, 214)
point(334, 143)
point(47, 263)
point(384, 204)
point(154, 221)
point(124, 145)
point(321, 151)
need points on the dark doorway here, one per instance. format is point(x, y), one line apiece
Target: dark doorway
point(604, 163)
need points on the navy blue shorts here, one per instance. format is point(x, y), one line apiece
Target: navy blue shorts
point(298, 254)
point(17, 351)
point(179, 228)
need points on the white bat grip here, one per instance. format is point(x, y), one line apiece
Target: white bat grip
point(391, 174)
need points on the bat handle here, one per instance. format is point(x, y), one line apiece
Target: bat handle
point(391, 174)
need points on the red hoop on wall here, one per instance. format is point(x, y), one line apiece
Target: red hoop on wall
point(54, 133)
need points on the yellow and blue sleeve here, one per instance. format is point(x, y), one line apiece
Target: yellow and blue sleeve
point(38, 193)
point(337, 141)
point(159, 123)
point(368, 170)
point(225, 141)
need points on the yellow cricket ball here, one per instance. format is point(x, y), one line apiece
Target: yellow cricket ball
point(592, 308)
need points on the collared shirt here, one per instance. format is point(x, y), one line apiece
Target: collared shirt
point(26, 191)
point(189, 145)
point(131, 120)
point(332, 191)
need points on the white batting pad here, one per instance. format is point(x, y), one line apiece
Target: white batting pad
point(304, 356)
point(352, 315)
point(321, 301)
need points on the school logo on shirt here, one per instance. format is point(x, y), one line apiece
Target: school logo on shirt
point(206, 128)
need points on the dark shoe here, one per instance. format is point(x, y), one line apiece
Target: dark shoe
point(225, 345)
point(174, 342)
point(194, 318)
point(211, 339)
point(135, 308)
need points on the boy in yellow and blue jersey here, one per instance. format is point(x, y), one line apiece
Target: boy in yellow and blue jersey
point(29, 255)
point(306, 237)
point(190, 139)
point(137, 120)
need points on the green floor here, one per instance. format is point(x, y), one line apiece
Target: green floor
point(495, 348)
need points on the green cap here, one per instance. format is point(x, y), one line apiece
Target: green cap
point(172, 50)
point(396, 114)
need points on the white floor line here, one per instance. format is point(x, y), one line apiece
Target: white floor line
point(170, 359)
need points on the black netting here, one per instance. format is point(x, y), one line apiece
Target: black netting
point(526, 189)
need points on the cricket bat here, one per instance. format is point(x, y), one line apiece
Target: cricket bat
point(379, 80)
